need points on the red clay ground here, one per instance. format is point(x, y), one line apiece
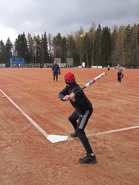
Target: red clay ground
point(28, 158)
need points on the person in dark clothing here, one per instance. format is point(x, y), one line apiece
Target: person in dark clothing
point(56, 71)
point(79, 118)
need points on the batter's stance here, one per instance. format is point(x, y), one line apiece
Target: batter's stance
point(79, 118)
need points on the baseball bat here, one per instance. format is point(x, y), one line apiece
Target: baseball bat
point(92, 81)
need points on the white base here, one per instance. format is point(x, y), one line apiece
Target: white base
point(56, 138)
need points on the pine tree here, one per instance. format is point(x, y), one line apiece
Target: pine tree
point(8, 48)
point(44, 50)
point(105, 46)
point(21, 48)
point(2, 53)
point(97, 47)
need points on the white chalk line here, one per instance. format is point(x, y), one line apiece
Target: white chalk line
point(69, 138)
point(113, 131)
point(28, 117)
point(109, 131)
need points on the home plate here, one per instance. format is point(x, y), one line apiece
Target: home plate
point(56, 138)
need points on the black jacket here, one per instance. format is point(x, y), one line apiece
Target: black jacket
point(55, 68)
point(81, 103)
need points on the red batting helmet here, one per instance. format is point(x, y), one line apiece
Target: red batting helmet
point(69, 78)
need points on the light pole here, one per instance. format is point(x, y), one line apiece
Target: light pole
point(123, 52)
point(81, 36)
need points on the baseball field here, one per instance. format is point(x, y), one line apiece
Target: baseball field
point(35, 143)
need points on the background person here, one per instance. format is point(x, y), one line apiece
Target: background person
point(119, 72)
point(108, 68)
point(79, 118)
point(56, 71)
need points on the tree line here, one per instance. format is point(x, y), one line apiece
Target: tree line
point(98, 46)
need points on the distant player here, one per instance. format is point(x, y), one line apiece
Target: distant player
point(56, 71)
point(119, 73)
point(108, 68)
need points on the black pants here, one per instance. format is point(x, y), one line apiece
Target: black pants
point(119, 75)
point(55, 76)
point(79, 122)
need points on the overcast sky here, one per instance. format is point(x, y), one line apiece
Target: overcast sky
point(63, 16)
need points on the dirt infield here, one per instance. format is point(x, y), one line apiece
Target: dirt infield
point(29, 158)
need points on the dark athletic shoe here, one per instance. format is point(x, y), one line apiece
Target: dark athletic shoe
point(74, 134)
point(88, 159)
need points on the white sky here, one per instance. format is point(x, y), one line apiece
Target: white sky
point(63, 16)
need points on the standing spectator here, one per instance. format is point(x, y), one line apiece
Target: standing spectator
point(108, 68)
point(119, 73)
point(56, 71)
point(79, 118)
